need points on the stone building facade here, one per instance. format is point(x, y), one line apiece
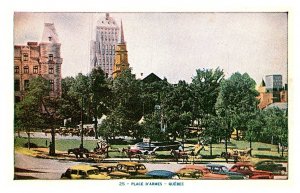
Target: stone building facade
point(38, 59)
point(102, 50)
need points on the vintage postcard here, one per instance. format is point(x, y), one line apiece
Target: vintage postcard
point(150, 100)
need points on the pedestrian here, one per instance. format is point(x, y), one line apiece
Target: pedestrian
point(180, 148)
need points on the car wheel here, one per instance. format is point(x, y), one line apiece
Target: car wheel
point(282, 172)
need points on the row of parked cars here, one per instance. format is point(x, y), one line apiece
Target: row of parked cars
point(135, 170)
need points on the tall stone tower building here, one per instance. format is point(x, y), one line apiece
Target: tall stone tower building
point(121, 62)
point(38, 59)
point(102, 51)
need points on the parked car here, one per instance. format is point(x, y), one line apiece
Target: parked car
point(189, 174)
point(205, 174)
point(83, 172)
point(111, 170)
point(223, 170)
point(161, 174)
point(132, 168)
point(143, 146)
point(167, 145)
point(250, 172)
point(271, 166)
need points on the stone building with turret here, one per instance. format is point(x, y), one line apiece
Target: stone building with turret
point(38, 59)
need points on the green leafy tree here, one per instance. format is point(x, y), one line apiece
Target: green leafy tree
point(254, 125)
point(70, 102)
point(213, 129)
point(28, 116)
point(205, 88)
point(100, 95)
point(176, 108)
point(152, 127)
point(237, 97)
point(126, 103)
point(275, 129)
point(38, 109)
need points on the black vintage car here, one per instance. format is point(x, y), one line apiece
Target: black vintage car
point(270, 165)
point(161, 146)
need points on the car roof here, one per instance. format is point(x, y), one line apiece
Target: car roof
point(215, 165)
point(162, 173)
point(187, 170)
point(194, 167)
point(82, 167)
point(243, 164)
point(105, 165)
point(130, 163)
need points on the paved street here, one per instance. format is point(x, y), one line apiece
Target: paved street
point(52, 169)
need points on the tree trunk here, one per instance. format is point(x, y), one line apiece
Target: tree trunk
point(210, 147)
point(237, 135)
point(28, 137)
point(52, 146)
point(226, 148)
point(96, 127)
point(250, 145)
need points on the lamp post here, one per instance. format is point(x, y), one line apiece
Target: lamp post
point(81, 122)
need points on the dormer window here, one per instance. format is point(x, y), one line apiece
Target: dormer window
point(50, 38)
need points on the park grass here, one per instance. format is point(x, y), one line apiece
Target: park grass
point(60, 144)
point(65, 144)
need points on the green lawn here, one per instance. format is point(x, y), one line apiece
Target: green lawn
point(217, 149)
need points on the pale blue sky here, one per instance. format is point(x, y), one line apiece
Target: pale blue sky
point(173, 45)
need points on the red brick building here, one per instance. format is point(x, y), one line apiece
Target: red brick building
point(38, 59)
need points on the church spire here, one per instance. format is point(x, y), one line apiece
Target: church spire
point(122, 41)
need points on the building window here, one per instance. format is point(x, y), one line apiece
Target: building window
point(26, 84)
point(17, 69)
point(51, 70)
point(50, 57)
point(25, 57)
point(51, 85)
point(17, 85)
point(35, 69)
point(26, 69)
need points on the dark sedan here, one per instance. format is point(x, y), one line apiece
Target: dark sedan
point(271, 166)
